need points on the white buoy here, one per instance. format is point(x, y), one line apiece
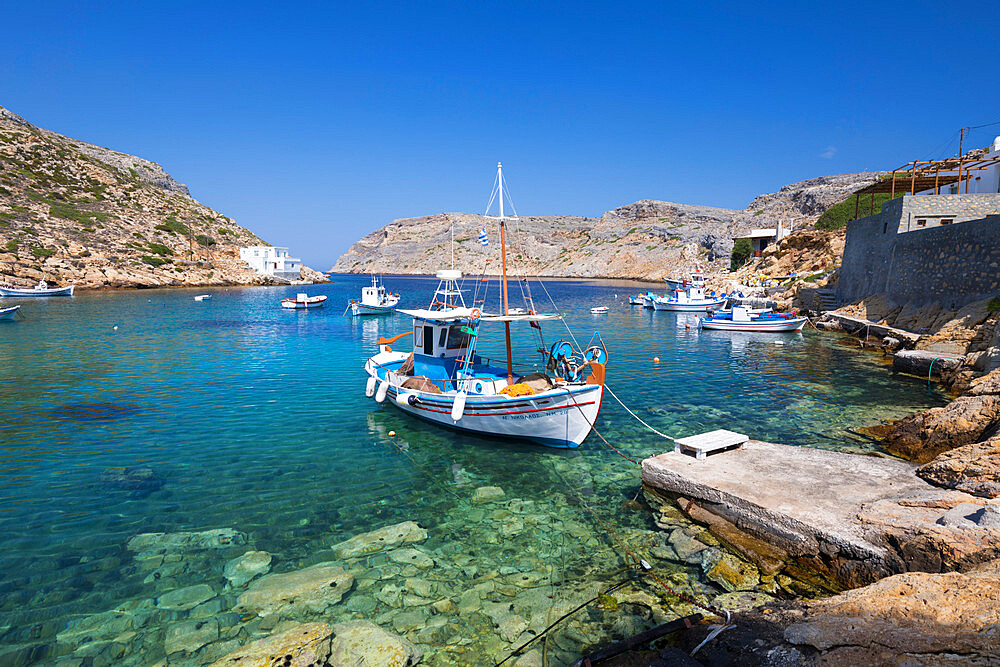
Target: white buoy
point(370, 387)
point(116, 327)
point(383, 389)
point(403, 399)
point(459, 406)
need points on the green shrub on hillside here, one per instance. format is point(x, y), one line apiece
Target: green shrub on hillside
point(741, 254)
point(160, 249)
point(840, 214)
point(41, 253)
point(11, 246)
point(174, 226)
point(154, 261)
point(204, 240)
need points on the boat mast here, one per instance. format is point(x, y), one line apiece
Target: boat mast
point(503, 271)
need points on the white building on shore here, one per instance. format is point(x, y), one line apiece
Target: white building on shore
point(272, 261)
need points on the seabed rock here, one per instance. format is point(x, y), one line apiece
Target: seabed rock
point(147, 544)
point(375, 541)
point(244, 568)
point(190, 636)
point(306, 644)
point(182, 599)
point(487, 494)
point(313, 589)
point(364, 643)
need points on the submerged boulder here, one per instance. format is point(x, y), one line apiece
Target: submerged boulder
point(302, 645)
point(375, 541)
point(313, 589)
point(158, 543)
point(364, 643)
point(242, 569)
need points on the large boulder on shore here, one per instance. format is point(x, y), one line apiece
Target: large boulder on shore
point(912, 618)
point(968, 419)
point(972, 468)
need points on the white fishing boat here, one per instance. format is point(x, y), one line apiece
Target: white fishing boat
point(443, 379)
point(41, 289)
point(691, 299)
point(375, 300)
point(304, 301)
point(203, 297)
point(744, 319)
point(599, 310)
point(648, 300)
point(9, 313)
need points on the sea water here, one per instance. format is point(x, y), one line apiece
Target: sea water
point(137, 412)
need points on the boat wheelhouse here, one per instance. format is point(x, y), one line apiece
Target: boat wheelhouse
point(444, 379)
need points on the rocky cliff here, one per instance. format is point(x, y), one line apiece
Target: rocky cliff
point(645, 240)
point(73, 212)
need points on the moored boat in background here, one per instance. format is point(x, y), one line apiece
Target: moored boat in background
point(375, 300)
point(744, 319)
point(9, 313)
point(304, 301)
point(692, 299)
point(41, 289)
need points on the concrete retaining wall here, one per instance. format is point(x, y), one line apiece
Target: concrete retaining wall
point(953, 264)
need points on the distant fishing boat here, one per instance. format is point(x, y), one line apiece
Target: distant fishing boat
point(692, 299)
point(41, 289)
point(744, 319)
point(375, 300)
point(648, 300)
point(9, 313)
point(203, 297)
point(444, 380)
point(635, 300)
point(599, 310)
point(304, 301)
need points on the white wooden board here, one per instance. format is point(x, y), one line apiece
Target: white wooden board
point(713, 441)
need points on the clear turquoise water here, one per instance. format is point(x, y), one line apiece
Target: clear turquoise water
point(254, 418)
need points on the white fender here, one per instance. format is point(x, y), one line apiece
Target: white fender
point(383, 389)
point(459, 406)
point(370, 387)
point(403, 399)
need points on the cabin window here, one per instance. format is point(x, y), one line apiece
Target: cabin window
point(457, 339)
point(885, 227)
point(418, 337)
point(947, 221)
point(443, 337)
point(428, 340)
point(921, 222)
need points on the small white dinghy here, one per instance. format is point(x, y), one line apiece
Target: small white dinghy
point(203, 297)
point(41, 289)
point(303, 300)
point(599, 310)
point(9, 313)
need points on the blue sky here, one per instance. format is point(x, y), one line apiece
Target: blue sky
point(315, 123)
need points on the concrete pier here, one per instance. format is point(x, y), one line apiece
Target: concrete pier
point(852, 518)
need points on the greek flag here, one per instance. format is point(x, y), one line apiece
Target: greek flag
point(483, 239)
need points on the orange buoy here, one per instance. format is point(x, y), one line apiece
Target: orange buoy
point(656, 360)
point(392, 434)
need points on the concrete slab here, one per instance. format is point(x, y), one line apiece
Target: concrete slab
point(797, 497)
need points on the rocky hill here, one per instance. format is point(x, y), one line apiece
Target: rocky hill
point(647, 240)
point(73, 212)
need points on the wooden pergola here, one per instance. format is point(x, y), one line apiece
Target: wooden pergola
point(920, 175)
